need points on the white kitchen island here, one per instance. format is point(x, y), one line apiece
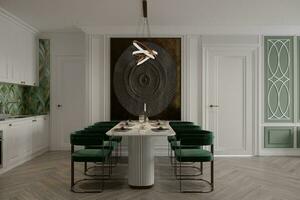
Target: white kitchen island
point(141, 149)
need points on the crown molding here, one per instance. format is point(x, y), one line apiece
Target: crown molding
point(9, 16)
point(203, 30)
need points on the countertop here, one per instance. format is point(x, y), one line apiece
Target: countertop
point(20, 118)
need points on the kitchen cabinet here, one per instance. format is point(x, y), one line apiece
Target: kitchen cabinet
point(39, 133)
point(18, 52)
point(23, 139)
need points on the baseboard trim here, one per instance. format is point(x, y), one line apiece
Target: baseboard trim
point(237, 156)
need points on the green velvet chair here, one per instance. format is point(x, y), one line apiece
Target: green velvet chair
point(179, 130)
point(108, 142)
point(88, 155)
point(175, 123)
point(109, 125)
point(189, 151)
point(178, 125)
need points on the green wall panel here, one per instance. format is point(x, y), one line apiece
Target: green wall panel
point(11, 96)
point(279, 137)
point(37, 99)
point(298, 67)
point(279, 63)
point(298, 137)
point(19, 99)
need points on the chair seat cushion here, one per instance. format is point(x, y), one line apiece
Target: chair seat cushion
point(106, 145)
point(193, 155)
point(91, 155)
point(175, 145)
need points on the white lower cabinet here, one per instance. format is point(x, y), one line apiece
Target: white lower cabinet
point(23, 139)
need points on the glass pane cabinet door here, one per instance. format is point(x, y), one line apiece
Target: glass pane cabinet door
point(279, 65)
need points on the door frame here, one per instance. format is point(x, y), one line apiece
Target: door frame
point(256, 51)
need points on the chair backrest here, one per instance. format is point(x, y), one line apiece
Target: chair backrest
point(197, 137)
point(81, 138)
point(179, 123)
point(97, 131)
point(100, 129)
point(184, 128)
point(107, 123)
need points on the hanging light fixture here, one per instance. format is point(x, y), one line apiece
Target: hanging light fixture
point(143, 52)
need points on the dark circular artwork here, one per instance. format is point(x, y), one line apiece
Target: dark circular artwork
point(153, 82)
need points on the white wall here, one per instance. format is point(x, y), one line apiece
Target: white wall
point(62, 44)
point(187, 16)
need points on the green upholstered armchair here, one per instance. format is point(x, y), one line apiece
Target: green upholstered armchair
point(101, 155)
point(179, 130)
point(188, 151)
point(102, 128)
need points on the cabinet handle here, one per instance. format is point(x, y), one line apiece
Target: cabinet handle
point(9, 124)
point(34, 120)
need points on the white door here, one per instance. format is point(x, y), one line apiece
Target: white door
point(229, 98)
point(69, 99)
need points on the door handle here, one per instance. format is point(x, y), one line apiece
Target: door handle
point(58, 105)
point(213, 106)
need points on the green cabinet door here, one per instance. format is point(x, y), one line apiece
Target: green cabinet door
point(279, 137)
point(279, 64)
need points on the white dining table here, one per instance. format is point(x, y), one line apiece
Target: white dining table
point(141, 152)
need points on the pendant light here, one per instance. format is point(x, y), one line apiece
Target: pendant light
point(143, 52)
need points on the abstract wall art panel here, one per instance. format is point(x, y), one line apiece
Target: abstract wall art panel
point(156, 82)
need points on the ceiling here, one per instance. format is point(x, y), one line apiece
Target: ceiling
point(62, 15)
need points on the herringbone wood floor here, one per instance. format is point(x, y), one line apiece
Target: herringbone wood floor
point(258, 178)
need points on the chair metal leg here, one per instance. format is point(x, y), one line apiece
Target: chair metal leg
point(85, 167)
point(73, 183)
point(210, 183)
point(212, 175)
point(102, 185)
point(180, 177)
point(201, 168)
point(171, 157)
point(72, 174)
point(120, 149)
point(175, 168)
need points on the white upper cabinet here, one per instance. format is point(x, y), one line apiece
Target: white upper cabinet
point(18, 51)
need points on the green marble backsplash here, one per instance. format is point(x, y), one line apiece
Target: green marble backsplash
point(19, 99)
point(11, 96)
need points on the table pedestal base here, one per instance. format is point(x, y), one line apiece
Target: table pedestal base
point(140, 161)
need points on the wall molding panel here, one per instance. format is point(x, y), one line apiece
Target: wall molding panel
point(279, 137)
point(279, 81)
point(298, 137)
